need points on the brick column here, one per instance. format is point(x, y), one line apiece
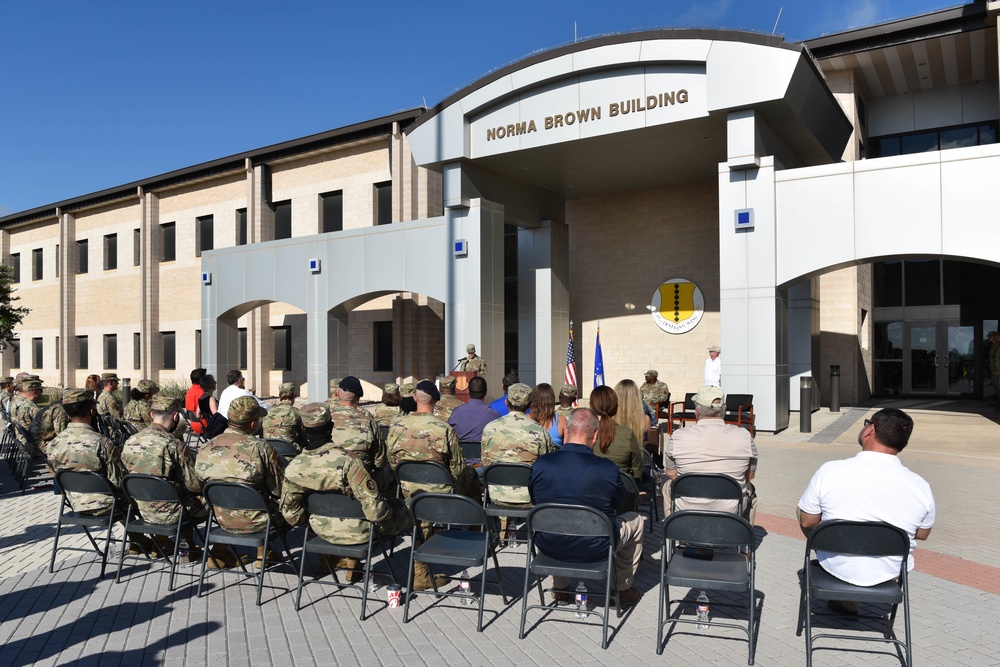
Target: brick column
point(260, 343)
point(151, 355)
point(68, 260)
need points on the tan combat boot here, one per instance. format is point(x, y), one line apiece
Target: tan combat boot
point(422, 577)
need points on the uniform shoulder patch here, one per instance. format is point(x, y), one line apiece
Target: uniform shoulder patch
point(370, 485)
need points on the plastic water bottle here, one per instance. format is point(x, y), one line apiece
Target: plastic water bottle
point(581, 600)
point(372, 583)
point(465, 589)
point(701, 611)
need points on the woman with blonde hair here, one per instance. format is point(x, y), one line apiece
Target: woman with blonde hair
point(543, 411)
point(614, 441)
point(630, 409)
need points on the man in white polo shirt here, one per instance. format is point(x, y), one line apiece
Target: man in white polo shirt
point(872, 486)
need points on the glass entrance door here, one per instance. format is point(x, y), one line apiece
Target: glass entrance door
point(923, 356)
point(941, 358)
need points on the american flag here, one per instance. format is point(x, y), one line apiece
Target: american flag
point(570, 361)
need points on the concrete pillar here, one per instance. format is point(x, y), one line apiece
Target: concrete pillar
point(753, 310)
point(67, 259)
point(543, 302)
point(803, 339)
point(326, 350)
point(151, 357)
point(260, 342)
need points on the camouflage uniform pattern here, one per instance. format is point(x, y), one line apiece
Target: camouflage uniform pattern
point(238, 457)
point(424, 437)
point(333, 469)
point(565, 412)
point(654, 393)
point(283, 421)
point(108, 405)
point(22, 411)
point(47, 424)
point(475, 363)
point(355, 430)
point(137, 413)
point(385, 414)
point(154, 451)
point(444, 407)
point(514, 438)
point(5, 396)
point(81, 448)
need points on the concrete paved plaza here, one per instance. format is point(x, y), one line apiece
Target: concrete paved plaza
point(72, 617)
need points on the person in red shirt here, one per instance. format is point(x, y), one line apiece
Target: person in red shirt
point(192, 396)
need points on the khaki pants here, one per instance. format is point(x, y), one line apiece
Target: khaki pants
point(627, 555)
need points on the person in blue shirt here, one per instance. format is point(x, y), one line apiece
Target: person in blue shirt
point(574, 475)
point(500, 405)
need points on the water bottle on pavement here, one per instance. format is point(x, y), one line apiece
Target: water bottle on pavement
point(702, 611)
point(581, 600)
point(465, 588)
point(372, 583)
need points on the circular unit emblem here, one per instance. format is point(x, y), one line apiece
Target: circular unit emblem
point(677, 306)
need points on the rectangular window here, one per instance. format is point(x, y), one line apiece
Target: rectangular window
point(241, 226)
point(15, 349)
point(206, 234)
point(110, 254)
point(81, 352)
point(136, 247)
point(332, 211)
point(15, 268)
point(82, 255)
point(243, 349)
point(282, 348)
point(168, 236)
point(36, 264)
point(36, 353)
point(383, 346)
point(58, 355)
point(169, 350)
point(383, 203)
point(58, 258)
point(283, 220)
point(110, 351)
point(136, 351)
point(922, 282)
point(197, 348)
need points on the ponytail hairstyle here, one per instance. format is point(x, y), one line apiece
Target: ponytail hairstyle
point(604, 403)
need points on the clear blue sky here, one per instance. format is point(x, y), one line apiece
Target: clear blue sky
point(94, 94)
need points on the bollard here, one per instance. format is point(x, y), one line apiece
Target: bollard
point(805, 404)
point(126, 392)
point(834, 388)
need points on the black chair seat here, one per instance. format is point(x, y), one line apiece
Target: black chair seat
point(546, 566)
point(494, 509)
point(318, 545)
point(89, 520)
point(727, 571)
point(240, 539)
point(452, 547)
point(825, 586)
point(142, 526)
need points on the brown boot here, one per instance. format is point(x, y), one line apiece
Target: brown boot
point(422, 577)
point(220, 558)
point(272, 557)
point(355, 571)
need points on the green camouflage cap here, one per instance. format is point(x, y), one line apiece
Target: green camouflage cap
point(652, 374)
point(165, 403)
point(243, 410)
point(334, 386)
point(75, 396)
point(6, 379)
point(390, 388)
point(315, 415)
point(30, 383)
point(568, 390)
point(519, 395)
point(20, 376)
point(407, 389)
point(108, 377)
point(286, 389)
point(448, 381)
point(470, 348)
point(146, 387)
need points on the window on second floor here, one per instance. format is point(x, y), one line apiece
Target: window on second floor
point(205, 234)
point(110, 253)
point(168, 236)
point(283, 220)
point(331, 211)
point(383, 203)
point(83, 250)
point(15, 267)
point(37, 271)
point(241, 226)
point(959, 136)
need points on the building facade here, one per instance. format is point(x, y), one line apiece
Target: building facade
point(801, 205)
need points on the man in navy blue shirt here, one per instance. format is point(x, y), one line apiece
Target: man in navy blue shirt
point(576, 476)
point(500, 405)
point(469, 418)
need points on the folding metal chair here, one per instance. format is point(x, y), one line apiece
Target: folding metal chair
point(569, 521)
point(467, 548)
point(855, 538)
point(334, 504)
point(712, 486)
point(283, 448)
point(648, 486)
point(505, 474)
point(423, 472)
point(72, 481)
point(472, 450)
point(721, 557)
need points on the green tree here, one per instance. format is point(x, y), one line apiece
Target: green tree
point(10, 314)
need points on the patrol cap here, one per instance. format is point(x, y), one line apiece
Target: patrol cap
point(470, 348)
point(243, 410)
point(407, 389)
point(20, 376)
point(32, 382)
point(390, 388)
point(519, 395)
point(352, 385)
point(448, 381)
point(6, 379)
point(708, 395)
point(652, 374)
point(334, 384)
point(568, 390)
point(76, 396)
point(429, 388)
point(286, 389)
point(715, 348)
point(165, 403)
point(108, 377)
point(314, 415)
point(146, 386)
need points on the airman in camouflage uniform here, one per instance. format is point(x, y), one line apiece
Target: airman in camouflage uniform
point(448, 402)
point(567, 395)
point(355, 430)
point(473, 362)
point(389, 410)
point(6, 390)
point(237, 456)
point(283, 420)
point(137, 410)
point(107, 404)
point(514, 438)
point(49, 422)
point(407, 390)
point(156, 451)
point(81, 448)
point(652, 390)
point(334, 386)
point(24, 405)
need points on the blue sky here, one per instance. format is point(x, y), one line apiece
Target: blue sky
point(100, 93)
